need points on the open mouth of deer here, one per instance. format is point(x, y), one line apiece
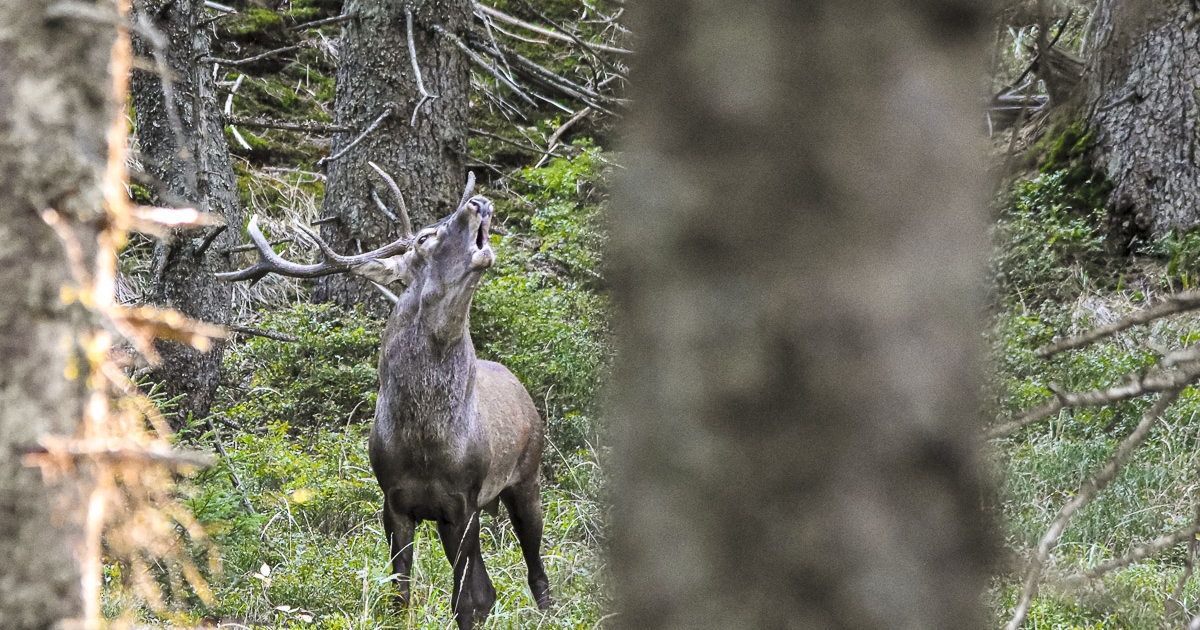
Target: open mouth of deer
point(482, 257)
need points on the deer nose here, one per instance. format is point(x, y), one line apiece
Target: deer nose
point(481, 205)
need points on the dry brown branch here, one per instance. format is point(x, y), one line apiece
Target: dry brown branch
point(1174, 304)
point(1084, 495)
point(504, 17)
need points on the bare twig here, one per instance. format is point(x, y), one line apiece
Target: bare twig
point(490, 67)
point(266, 334)
point(387, 294)
point(528, 148)
point(219, 7)
point(1135, 385)
point(387, 111)
point(306, 127)
point(233, 476)
point(547, 78)
point(1087, 491)
point(412, 56)
point(587, 46)
point(242, 62)
point(1136, 554)
point(323, 22)
point(249, 247)
point(1178, 303)
point(504, 17)
point(554, 137)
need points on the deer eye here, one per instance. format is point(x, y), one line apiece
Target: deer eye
point(424, 237)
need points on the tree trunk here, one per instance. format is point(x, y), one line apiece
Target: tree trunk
point(199, 173)
point(427, 160)
point(797, 251)
point(55, 108)
point(1143, 72)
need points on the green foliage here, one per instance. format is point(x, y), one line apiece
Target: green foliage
point(327, 377)
point(1048, 241)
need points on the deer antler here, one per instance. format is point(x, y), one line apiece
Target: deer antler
point(331, 261)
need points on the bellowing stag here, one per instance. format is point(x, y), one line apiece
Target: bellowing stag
point(453, 435)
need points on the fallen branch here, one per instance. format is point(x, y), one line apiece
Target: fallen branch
point(504, 17)
point(1178, 303)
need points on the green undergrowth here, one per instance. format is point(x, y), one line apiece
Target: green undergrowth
point(1056, 276)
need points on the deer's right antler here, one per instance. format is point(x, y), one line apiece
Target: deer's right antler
point(331, 261)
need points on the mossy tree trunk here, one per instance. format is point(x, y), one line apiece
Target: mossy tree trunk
point(55, 108)
point(797, 250)
point(427, 159)
point(1143, 74)
point(198, 172)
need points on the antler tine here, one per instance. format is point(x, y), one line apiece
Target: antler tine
point(404, 220)
point(397, 246)
point(470, 188)
point(331, 261)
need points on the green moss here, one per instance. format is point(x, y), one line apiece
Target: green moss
point(251, 22)
point(140, 195)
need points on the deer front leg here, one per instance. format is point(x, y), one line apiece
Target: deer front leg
point(473, 595)
point(400, 529)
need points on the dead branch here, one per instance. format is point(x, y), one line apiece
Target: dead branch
point(587, 47)
point(387, 111)
point(554, 137)
point(1178, 303)
point(323, 22)
point(242, 62)
point(306, 127)
point(483, 63)
point(1135, 385)
point(504, 17)
point(259, 332)
point(412, 55)
point(1087, 491)
point(535, 73)
point(383, 206)
point(1136, 554)
point(233, 476)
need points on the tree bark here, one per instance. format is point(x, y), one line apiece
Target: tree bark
point(1143, 72)
point(427, 160)
point(55, 108)
point(199, 172)
point(797, 252)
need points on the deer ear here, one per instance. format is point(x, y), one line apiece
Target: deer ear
point(386, 270)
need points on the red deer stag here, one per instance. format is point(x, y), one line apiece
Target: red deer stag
point(452, 434)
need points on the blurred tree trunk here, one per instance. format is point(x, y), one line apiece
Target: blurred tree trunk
point(427, 160)
point(797, 255)
point(1143, 71)
point(197, 173)
point(54, 111)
